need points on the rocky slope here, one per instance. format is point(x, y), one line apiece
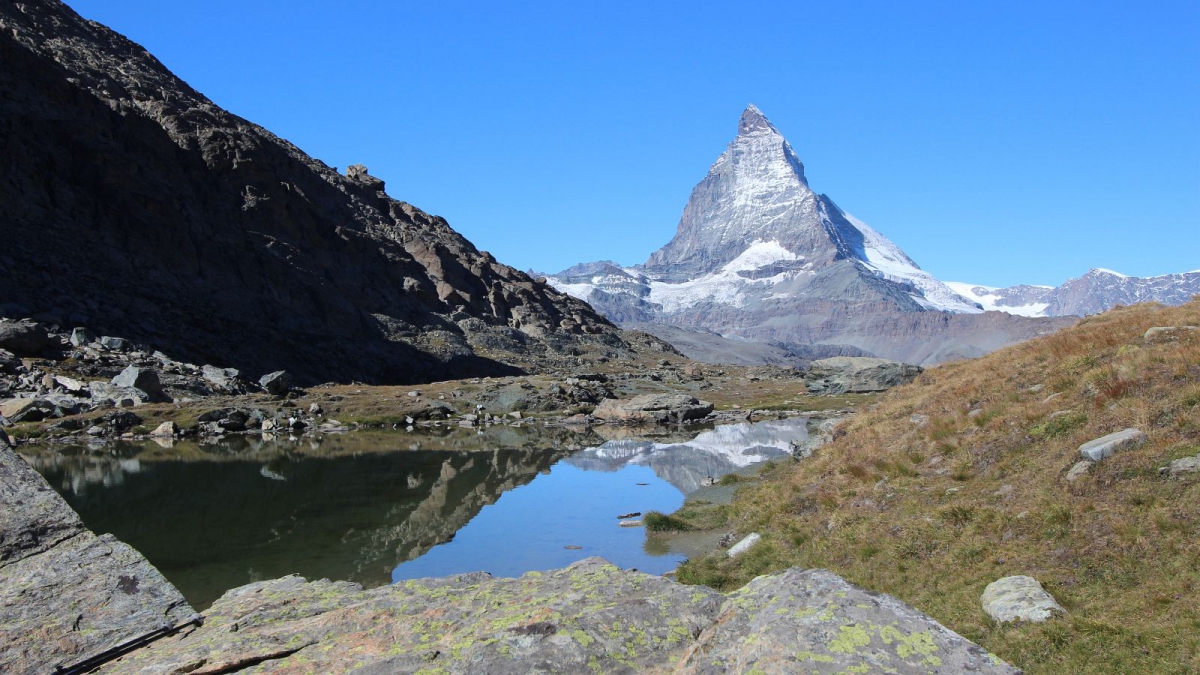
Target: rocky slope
point(1072, 459)
point(134, 205)
point(758, 255)
point(1092, 293)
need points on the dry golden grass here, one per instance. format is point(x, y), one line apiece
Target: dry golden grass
point(934, 512)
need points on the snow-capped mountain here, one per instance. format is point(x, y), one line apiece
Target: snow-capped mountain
point(1094, 292)
point(754, 223)
point(758, 255)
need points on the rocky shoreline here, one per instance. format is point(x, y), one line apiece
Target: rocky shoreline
point(68, 596)
point(69, 386)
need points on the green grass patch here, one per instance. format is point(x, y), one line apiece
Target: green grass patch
point(1059, 426)
point(655, 521)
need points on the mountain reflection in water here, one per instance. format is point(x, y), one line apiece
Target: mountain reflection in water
point(711, 454)
point(214, 516)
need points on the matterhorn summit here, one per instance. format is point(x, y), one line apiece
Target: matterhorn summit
point(758, 255)
point(755, 200)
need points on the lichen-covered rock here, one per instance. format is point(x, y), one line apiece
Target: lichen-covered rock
point(857, 374)
point(1181, 467)
point(813, 621)
point(1159, 334)
point(653, 409)
point(1111, 444)
point(1080, 469)
point(589, 617)
point(1019, 598)
point(65, 593)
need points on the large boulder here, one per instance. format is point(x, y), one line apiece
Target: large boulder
point(9, 363)
point(653, 409)
point(65, 593)
point(226, 379)
point(277, 383)
point(1106, 446)
point(813, 621)
point(1019, 598)
point(26, 410)
point(142, 379)
point(589, 617)
point(23, 338)
point(82, 336)
point(857, 375)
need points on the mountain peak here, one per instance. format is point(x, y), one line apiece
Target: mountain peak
point(754, 120)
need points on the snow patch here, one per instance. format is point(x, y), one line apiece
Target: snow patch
point(581, 291)
point(987, 296)
point(725, 286)
point(888, 261)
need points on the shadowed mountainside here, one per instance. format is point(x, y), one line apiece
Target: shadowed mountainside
point(134, 205)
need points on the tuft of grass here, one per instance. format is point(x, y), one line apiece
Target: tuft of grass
point(655, 521)
point(1059, 426)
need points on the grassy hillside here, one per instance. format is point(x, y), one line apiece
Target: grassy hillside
point(959, 479)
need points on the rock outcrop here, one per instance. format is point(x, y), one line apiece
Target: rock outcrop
point(66, 593)
point(590, 616)
point(653, 409)
point(857, 375)
point(136, 206)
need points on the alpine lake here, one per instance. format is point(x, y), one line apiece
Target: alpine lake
point(375, 507)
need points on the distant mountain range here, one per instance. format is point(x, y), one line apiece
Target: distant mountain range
point(759, 256)
point(1094, 292)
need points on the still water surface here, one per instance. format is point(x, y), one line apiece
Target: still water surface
point(378, 507)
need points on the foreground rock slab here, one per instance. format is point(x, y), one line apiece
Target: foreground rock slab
point(1019, 598)
point(65, 593)
point(589, 617)
point(857, 375)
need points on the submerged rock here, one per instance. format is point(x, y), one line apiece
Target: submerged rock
point(857, 375)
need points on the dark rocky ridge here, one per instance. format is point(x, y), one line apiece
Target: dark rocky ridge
point(134, 205)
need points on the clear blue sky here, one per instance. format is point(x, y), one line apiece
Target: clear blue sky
point(996, 142)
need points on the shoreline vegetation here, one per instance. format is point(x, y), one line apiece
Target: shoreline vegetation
point(974, 472)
